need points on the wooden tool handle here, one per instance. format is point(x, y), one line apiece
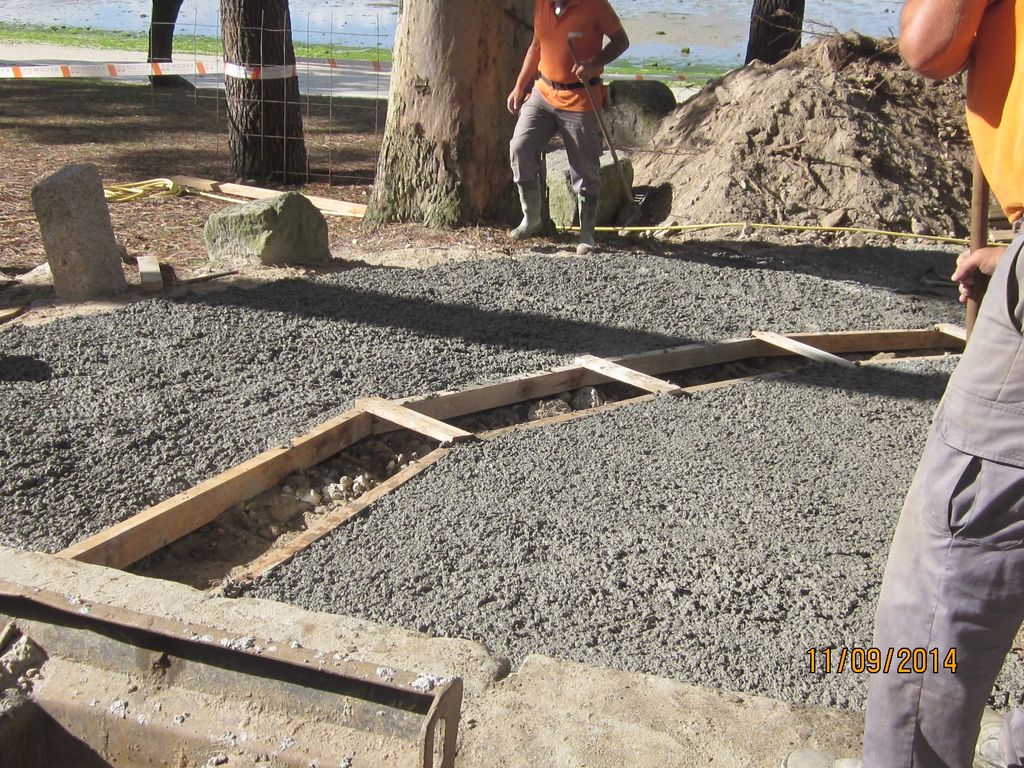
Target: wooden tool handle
point(600, 121)
point(979, 238)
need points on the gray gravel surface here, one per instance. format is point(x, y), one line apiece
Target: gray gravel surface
point(104, 415)
point(713, 539)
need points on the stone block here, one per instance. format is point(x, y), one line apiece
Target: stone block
point(283, 230)
point(74, 220)
point(635, 110)
point(562, 200)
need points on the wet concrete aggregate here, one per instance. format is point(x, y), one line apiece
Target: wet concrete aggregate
point(714, 539)
point(104, 415)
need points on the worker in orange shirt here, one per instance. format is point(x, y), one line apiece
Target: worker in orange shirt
point(559, 102)
point(952, 598)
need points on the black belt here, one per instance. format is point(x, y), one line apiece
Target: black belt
point(567, 86)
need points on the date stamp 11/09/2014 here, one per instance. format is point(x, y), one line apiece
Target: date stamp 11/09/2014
point(902, 661)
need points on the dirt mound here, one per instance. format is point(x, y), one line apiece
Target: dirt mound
point(839, 133)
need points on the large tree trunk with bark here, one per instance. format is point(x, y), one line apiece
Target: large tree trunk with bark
point(161, 39)
point(265, 138)
point(775, 28)
point(444, 158)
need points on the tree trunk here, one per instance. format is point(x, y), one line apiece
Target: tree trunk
point(775, 28)
point(265, 138)
point(444, 158)
point(161, 39)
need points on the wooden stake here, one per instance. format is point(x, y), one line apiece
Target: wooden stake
point(800, 348)
point(629, 376)
point(149, 273)
point(410, 419)
point(979, 237)
point(953, 331)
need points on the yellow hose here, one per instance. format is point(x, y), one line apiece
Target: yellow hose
point(794, 227)
point(122, 193)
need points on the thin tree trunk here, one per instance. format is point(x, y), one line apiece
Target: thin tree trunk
point(444, 158)
point(775, 29)
point(265, 137)
point(161, 39)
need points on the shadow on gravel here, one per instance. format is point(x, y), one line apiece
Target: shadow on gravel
point(531, 332)
point(509, 330)
point(24, 368)
point(896, 269)
point(882, 380)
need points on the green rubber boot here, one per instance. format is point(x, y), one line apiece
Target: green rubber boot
point(530, 199)
point(588, 216)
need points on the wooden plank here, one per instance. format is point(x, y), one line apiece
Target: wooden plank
point(896, 360)
point(626, 375)
point(844, 342)
point(123, 544)
point(149, 273)
point(803, 349)
point(690, 356)
point(562, 418)
point(329, 522)
point(953, 331)
point(484, 397)
point(710, 386)
point(325, 204)
point(447, 405)
point(11, 313)
point(410, 419)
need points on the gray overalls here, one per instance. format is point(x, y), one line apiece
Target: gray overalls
point(955, 575)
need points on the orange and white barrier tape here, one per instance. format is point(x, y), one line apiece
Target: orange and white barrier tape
point(351, 63)
point(144, 69)
point(250, 72)
point(132, 69)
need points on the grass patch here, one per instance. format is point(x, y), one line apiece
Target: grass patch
point(184, 42)
point(695, 73)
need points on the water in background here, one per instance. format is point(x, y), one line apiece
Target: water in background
point(714, 31)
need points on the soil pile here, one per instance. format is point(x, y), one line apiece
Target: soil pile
point(839, 133)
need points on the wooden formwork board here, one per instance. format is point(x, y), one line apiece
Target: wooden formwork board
point(325, 204)
point(626, 375)
point(151, 530)
point(401, 416)
point(803, 349)
point(129, 541)
point(328, 523)
point(953, 331)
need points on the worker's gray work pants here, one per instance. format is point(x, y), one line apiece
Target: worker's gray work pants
point(537, 123)
point(954, 582)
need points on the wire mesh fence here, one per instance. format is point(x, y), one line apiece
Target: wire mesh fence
point(336, 82)
point(342, 73)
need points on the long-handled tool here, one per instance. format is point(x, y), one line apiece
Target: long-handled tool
point(635, 200)
point(979, 239)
